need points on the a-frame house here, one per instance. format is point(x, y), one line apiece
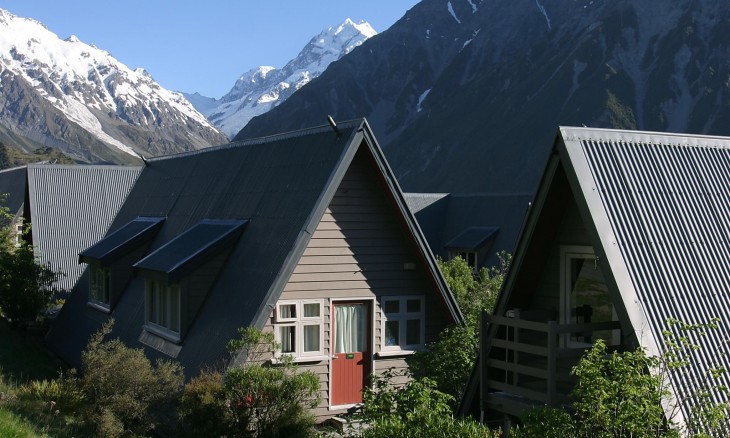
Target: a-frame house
point(627, 230)
point(306, 235)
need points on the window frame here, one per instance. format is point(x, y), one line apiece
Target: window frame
point(106, 283)
point(466, 255)
point(568, 253)
point(299, 321)
point(402, 316)
point(156, 326)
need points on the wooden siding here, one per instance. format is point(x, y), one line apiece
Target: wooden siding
point(572, 231)
point(359, 250)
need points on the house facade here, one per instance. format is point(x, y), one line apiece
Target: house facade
point(627, 231)
point(305, 235)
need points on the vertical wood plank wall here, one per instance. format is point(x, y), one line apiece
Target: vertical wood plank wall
point(358, 251)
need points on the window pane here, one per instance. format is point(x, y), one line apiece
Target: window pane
point(413, 332)
point(311, 310)
point(311, 338)
point(287, 339)
point(174, 309)
point(413, 306)
point(391, 306)
point(287, 311)
point(392, 333)
point(350, 328)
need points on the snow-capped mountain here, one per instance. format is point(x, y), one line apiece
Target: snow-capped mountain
point(467, 95)
point(77, 98)
point(262, 88)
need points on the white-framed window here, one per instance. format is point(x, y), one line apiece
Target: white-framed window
point(100, 286)
point(404, 323)
point(162, 308)
point(584, 296)
point(18, 233)
point(299, 328)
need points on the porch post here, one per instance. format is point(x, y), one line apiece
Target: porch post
point(552, 361)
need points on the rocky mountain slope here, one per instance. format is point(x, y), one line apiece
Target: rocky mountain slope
point(262, 88)
point(71, 96)
point(467, 95)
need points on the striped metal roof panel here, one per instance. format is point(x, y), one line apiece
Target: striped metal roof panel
point(71, 208)
point(661, 207)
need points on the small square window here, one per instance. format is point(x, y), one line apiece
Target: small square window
point(403, 323)
point(287, 312)
point(311, 310)
point(287, 338)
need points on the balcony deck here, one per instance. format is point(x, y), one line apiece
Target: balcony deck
point(528, 363)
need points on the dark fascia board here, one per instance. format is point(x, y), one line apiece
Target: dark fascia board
point(484, 236)
point(121, 241)
point(413, 227)
point(168, 264)
point(305, 235)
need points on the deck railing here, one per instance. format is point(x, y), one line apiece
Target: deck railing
point(532, 360)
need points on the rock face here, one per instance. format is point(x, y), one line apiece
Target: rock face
point(467, 95)
point(76, 98)
point(262, 88)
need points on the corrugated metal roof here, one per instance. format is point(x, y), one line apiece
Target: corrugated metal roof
point(661, 207)
point(71, 208)
point(110, 248)
point(189, 250)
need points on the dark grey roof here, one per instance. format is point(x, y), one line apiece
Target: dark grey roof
point(12, 189)
point(190, 249)
point(121, 241)
point(71, 208)
point(282, 185)
point(473, 238)
point(444, 217)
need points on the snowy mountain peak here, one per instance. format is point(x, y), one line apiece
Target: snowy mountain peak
point(88, 86)
point(261, 88)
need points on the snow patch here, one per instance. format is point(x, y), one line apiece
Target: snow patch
point(453, 14)
point(544, 13)
point(473, 6)
point(421, 98)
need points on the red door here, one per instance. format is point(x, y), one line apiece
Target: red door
point(350, 352)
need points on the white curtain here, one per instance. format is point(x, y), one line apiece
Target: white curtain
point(350, 328)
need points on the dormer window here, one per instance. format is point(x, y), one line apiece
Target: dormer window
point(162, 310)
point(100, 286)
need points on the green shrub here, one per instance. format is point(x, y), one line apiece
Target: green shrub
point(26, 287)
point(545, 422)
point(416, 409)
point(255, 399)
point(450, 359)
point(202, 410)
point(124, 391)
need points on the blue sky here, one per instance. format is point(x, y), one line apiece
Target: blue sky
point(196, 45)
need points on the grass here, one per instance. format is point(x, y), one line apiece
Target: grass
point(24, 359)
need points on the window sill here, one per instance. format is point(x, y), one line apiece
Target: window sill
point(303, 359)
point(395, 353)
point(99, 307)
point(162, 332)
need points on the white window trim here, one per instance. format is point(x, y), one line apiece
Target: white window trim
point(568, 253)
point(160, 330)
point(299, 355)
point(402, 348)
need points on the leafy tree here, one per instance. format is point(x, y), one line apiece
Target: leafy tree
point(26, 286)
point(417, 409)
point(450, 359)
